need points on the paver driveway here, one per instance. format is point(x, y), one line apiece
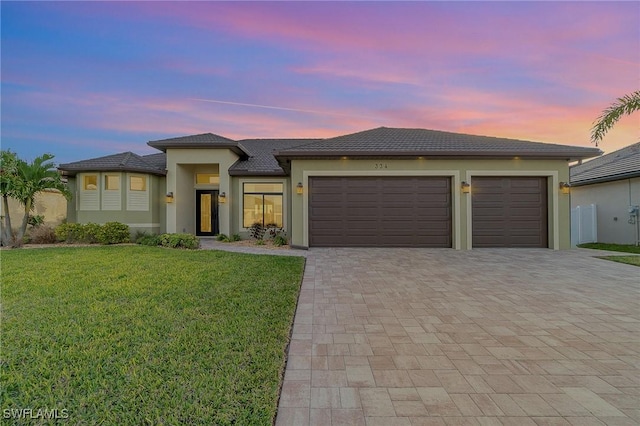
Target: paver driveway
point(487, 337)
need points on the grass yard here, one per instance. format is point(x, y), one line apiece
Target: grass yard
point(629, 260)
point(134, 335)
point(624, 248)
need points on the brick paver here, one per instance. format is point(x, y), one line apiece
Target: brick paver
point(483, 337)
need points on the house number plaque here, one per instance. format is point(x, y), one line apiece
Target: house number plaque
point(380, 166)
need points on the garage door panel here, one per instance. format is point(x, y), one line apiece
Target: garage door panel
point(509, 211)
point(380, 211)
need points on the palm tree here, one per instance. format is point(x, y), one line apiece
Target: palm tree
point(8, 176)
point(31, 179)
point(622, 106)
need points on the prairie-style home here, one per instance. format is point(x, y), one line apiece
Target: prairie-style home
point(391, 187)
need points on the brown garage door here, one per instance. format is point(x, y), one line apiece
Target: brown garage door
point(380, 211)
point(509, 211)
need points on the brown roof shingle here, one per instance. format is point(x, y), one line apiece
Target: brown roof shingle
point(204, 140)
point(123, 162)
point(396, 142)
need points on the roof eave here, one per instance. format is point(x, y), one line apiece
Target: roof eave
point(603, 179)
point(257, 173)
point(72, 171)
point(163, 146)
point(564, 155)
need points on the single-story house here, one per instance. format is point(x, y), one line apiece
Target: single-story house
point(380, 187)
point(611, 184)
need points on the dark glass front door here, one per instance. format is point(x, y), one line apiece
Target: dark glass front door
point(206, 212)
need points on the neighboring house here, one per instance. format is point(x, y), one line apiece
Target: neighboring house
point(612, 184)
point(380, 187)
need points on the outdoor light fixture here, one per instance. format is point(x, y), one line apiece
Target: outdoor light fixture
point(299, 188)
point(465, 187)
point(169, 197)
point(222, 198)
point(565, 188)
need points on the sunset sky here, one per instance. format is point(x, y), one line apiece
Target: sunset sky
point(86, 79)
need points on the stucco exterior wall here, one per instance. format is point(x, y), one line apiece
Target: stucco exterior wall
point(612, 200)
point(181, 168)
point(556, 171)
point(50, 204)
point(150, 220)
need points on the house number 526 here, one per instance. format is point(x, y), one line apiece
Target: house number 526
point(380, 166)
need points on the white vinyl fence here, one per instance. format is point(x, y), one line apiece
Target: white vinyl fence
point(584, 224)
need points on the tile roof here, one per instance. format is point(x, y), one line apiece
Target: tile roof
point(261, 160)
point(123, 162)
point(385, 141)
point(204, 140)
point(621, 164)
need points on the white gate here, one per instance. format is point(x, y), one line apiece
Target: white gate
point(584, 225)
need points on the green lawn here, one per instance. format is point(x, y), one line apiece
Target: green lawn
point(134, 335)
point(629, 260)
point(625, 248)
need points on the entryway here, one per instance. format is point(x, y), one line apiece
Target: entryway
point(207, 213)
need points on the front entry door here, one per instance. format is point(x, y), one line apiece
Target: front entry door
point(206, 212)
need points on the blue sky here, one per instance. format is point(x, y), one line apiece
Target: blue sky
point(86, 79)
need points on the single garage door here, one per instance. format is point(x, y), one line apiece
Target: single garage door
point(509, 211)
point(380, 211)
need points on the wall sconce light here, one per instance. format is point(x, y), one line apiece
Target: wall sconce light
point(465, 187)
point(299, 188)
point(565, 187)
point(169, 197)
point(222, 198)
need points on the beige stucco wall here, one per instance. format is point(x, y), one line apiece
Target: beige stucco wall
point(556, 171)
point(50, 204)
point(612, 200)
point(182, 164)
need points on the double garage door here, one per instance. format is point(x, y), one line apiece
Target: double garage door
point(416, 211)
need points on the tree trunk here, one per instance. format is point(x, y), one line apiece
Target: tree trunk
point(7, 232)
point(25, 221)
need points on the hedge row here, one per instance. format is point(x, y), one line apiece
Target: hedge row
point(92, 233)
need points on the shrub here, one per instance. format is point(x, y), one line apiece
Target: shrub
point(235, 237)
point(114, 233)
point(222, 237)
point(90, 233)
point(148, 240)
point(186, 241)
point(69, 232)
point(109, 233)
point(277, 235)
point(35, 220)
point(280, 240)
point(256, 231)
point(259, 242)
point(42, 235)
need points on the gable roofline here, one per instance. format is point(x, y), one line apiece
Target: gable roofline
point(385, 142)
point(203, 140)
point(122, 162)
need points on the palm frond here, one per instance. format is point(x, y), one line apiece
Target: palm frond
point(610, 116)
